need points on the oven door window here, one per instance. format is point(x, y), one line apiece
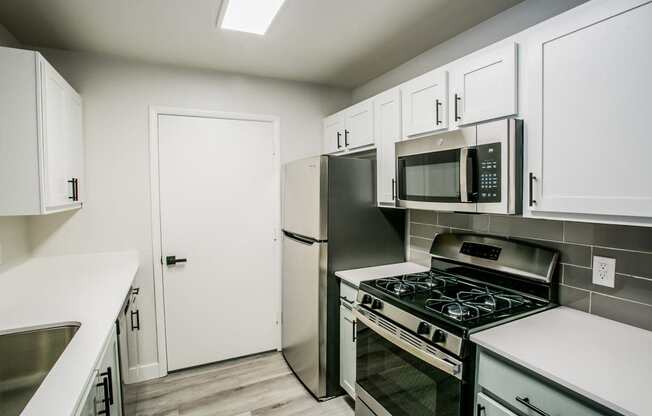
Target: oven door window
point(401, 383)
point(431, 177)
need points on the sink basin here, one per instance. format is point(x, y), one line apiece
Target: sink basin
point(26, 357)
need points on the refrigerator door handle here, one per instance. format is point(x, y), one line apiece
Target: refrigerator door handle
point(299, 238)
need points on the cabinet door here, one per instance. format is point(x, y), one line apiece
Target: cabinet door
point(359, 125)
point(90, 402)
point(75, 143)
point(56, 143)
point(483, 86)
point(333, 133)
point(347, 351)
point(489, 407)
point(109, 372)
point(590, 142)
point(425, 104)
point(387, 121)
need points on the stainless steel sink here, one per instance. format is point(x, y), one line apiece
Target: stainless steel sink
point(26, 357)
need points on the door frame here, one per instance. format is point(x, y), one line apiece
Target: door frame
point(159, 302)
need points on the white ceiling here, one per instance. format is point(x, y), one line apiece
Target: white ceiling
point(335, 42)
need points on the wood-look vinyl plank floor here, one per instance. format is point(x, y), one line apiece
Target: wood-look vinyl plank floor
point(260, 385)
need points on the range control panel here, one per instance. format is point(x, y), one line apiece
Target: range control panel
point(490, 167)
point(480, 250)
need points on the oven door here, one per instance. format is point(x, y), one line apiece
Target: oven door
point(400, 375)
point(443, 179)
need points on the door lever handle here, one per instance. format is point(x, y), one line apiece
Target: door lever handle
point(172, 260)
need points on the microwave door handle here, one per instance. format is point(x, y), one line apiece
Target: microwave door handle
point(464, 186)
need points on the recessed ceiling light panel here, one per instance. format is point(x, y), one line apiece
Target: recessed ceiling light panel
point(251, 16)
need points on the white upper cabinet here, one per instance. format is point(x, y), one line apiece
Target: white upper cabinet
point(349, 130)
point(334, 133)
point(42, 162)
point(589, 146)
point(359, 125)
point(484, 86)
point(387, 123)
point(425, 104)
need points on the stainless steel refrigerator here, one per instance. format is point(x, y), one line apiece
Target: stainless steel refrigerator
point(330, 223)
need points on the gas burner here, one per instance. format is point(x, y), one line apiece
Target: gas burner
point(396, 286)
point(460, 311)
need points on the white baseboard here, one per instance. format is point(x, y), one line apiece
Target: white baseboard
point(142, 373)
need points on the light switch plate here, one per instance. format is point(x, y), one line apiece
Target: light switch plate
point(604, 271)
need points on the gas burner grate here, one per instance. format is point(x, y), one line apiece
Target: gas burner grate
point(396, 286)
point(475, 303)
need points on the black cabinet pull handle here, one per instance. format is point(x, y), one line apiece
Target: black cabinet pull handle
point(172, 260)
point(393, 189)
point(532, 179)
point(75, 189)
point(353, 336)
point(437, 105)
point(346, 138)
point(526, 402)
point(457, 99)
point(338, 139)
point(135, 313)
point(107, 406)
point(481, 410)
point(109, 375)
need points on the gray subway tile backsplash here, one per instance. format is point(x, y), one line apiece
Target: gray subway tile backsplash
point(575, 298)
point(609, 235)
point(636, 314)
point(526, 228)
point(628, 262)
point(629, 302)
point(478, 223)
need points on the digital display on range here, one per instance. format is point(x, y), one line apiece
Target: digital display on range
point(480, 250)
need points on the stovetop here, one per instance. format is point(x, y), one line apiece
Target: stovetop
point(461, 303)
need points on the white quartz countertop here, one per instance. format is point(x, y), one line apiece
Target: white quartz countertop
point(88, 289)
point(355, 276)
point(603, 360)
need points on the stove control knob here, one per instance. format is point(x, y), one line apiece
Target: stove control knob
point(376, 304)
point(366, 299)
point(439, 336)
point(423, 328)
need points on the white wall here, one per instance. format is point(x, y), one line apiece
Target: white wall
point(501, 26)
point(116, 96)
point(14, 244)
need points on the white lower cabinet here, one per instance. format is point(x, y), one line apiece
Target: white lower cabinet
point(347, 339)
point(387, 123)
point(489, 407)
point(103, 395)
point(516, 389)
point(589, 142)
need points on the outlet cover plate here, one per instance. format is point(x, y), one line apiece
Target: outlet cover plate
point(604, 271)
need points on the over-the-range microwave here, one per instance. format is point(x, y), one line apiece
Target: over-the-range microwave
point(473, 169)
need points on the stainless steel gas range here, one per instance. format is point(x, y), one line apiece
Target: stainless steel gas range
point(414, 356)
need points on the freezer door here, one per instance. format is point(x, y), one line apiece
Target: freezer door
point(304, 310)
point(305, 197)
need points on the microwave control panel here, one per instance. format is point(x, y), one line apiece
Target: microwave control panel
point(489, 175)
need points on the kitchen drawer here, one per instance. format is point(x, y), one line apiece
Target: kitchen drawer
point(489, 407)
point(348, 293)
point(518, 389)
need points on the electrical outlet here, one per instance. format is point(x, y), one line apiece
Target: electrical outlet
point(604, 271)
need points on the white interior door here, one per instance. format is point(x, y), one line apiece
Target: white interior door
point(219, 206)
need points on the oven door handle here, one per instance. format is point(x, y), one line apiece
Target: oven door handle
point(454, 369)
point(464, 186)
